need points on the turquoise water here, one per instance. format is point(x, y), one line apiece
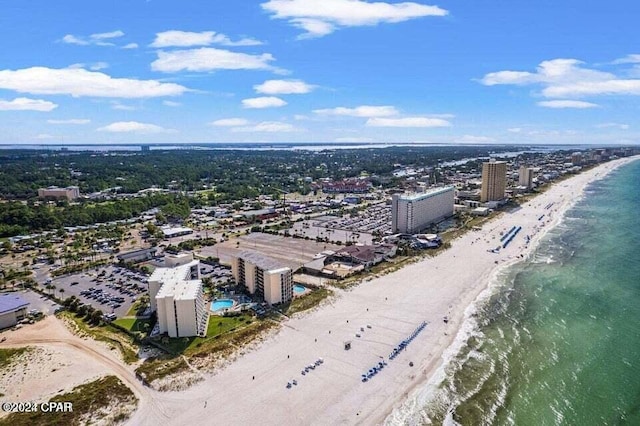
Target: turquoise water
point(559, 343)
point(299, 289)
point(221, 304)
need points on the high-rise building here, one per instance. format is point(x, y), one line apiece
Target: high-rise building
point(576, 158)
point(263, 276)
point(177, 296)
point(494, 181)
point(412, 213)
point(525, 177)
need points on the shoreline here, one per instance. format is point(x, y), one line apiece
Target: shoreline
point(253, 388)
point(423, 393)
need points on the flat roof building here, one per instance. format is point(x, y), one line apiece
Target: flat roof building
point(170, 232)
point(13, 308)
point(494, 181)
point(525, 177)
point(176, 295)
point(412, 213)
point(69, 193)
point(138, 255)
point(263, 276)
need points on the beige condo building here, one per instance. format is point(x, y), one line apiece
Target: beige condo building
point(263, 276)
point(177, 297)
point(494, 181)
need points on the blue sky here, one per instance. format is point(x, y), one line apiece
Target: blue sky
point(450, 71)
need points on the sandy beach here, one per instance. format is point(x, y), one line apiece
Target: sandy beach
point(383, 311)
point(252, 390)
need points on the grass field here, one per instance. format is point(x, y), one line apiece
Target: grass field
point(217, 326)
point(134, 324)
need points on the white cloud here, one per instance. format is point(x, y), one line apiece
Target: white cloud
point(98, 66)
point(360, 111)
point(408, 122)
point(566, 104)
point(44, 136)
point(268, 127)
point(474, 139)
point(122, 107)
point(283, 87)
point(319, 18)
point(26, 104)
point(620, 126)
point(134, 127)
point(563, 78)
point(130, 46)
point(175, 38)
point(263, 102)
point(229, 122)
point(80, 82)
point(515, 130)
point(354, 139)
point(587, 88)
point(210, 59)
point(70, 121)
point(71, 39)
point(97, 39)
point(629, 59)
point(171, 104)
point(105, 36)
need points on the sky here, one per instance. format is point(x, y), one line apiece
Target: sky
point(449, 71)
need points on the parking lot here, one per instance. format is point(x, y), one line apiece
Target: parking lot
point(38, 302)
point(110, 289)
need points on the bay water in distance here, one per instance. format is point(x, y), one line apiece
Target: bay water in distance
point(558, 342)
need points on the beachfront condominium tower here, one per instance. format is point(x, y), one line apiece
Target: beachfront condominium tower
point(412, 213)
point(525, 177)
point(263, 276)
point(177, 297)
point(494, 181)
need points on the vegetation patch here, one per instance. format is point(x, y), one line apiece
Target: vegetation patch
point(138, 325)
point(307, 301)
point(8, 356)
point(110, 335)
point(105, 400)
point(219, 343)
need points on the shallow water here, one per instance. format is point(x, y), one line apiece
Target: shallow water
point(558, 343)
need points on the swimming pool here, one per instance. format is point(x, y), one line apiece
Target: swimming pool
point(220, 304)
point(299, 289)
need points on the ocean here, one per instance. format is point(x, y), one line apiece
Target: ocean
point(558, 340)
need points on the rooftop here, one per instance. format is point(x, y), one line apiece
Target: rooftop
point(261, 261)
point(427, 194)
point(180, 290)
point(10, 302)
point(179, 272)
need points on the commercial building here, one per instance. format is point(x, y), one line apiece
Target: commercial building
point(413, 213)
point(525, 177)
point(69, 193)
point(13, 308)
point(170, 232)
point(177, 297)
point(263, 276)
point(494, 181)
point(137, 255)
